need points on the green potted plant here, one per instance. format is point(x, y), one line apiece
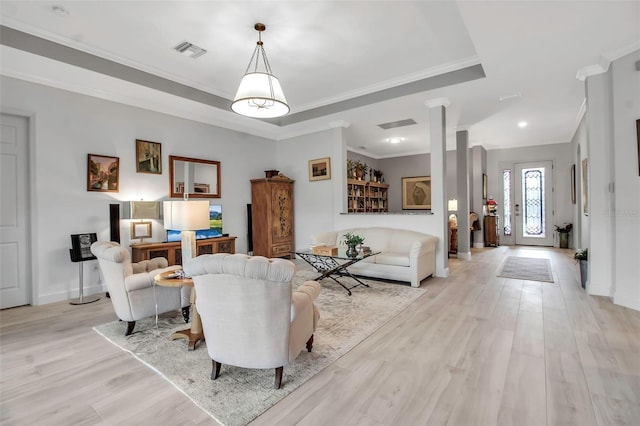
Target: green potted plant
point(563, 232)
point(351, 241)
point(581, 256)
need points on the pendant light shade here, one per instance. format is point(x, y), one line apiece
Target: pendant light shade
point(260, 94)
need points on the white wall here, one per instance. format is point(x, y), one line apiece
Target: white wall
point(560, 154)
point(67, 127)
point(313, 200)
point(626, 213)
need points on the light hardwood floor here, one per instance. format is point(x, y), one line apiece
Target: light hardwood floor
point(474, 350)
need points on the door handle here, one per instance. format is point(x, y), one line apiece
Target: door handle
point(517, 209)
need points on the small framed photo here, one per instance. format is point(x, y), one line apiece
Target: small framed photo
point(148, 157)
point(103, 173)
point(416, 193)
point(320, 169)
point(485, 186)
point(141, 229)
point(572, 177)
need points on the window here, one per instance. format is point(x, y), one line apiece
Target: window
point(506, 184)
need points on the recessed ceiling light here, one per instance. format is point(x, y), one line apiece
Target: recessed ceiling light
point(522, 124)
point(395, 140)
point(60, 11)
point(190, 49)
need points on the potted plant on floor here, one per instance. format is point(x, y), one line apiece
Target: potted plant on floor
point(352, 240)
point(563, 232)
point(582, 257)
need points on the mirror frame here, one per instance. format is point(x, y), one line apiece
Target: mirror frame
point(174, 194)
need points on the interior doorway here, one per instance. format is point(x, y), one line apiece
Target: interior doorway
point(15, 276)
point(533, 203)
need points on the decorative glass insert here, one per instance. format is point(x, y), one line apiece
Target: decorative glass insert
point(533, 200)
point(506, 185)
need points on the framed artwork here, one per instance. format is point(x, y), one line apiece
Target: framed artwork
point(103, 173)
point(416, 193)
point(585, 186)
point(81, 246)
point(141, 229)
point(638, 137)
point(572, 176)
point(485, 186)
point(148, 157)
point(320, 169)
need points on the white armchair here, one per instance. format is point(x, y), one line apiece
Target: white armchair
point(251, 318)
point(131, 285)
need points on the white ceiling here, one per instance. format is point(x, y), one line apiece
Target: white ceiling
point(329, 52)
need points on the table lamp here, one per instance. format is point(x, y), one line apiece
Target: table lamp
point(187, 217)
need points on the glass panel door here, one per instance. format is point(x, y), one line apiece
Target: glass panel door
point(533, 203)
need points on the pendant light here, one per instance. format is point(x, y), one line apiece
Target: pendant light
point(260, 94)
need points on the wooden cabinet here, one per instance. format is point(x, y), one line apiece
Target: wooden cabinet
point(272, 217)
point(365, 197)
point(491, 234)
point(173, 252)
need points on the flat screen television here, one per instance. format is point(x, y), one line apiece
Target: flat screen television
point(215, 226)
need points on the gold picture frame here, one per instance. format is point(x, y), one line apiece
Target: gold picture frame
point(148, 157)
point(140, 229)
point(416, 193)
point(320, 169)
point(572, 176)
point(103, 173)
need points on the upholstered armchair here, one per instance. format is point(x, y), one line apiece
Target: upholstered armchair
point(131, 285)
point(251, 318)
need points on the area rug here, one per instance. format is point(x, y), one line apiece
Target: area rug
point(527, 268)
point(240, 395)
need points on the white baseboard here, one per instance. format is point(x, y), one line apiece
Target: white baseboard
point(595, 290)
point(464, 255)
point(627, 300)
point(478, 245)
point(443, 273)
point(67, 295)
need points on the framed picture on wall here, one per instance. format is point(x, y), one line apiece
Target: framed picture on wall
point(572, 176)
point(416, 193)
point(320, 169)
point(103, 173)
point(585, 186)
point(148, 157)
point(485, 186)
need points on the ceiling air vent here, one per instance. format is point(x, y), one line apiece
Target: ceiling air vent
point(394, 124)
point(190, 50)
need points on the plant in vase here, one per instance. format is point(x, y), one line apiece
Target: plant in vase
point(351, 241)
point(563, 232)
point(361, 169)
point(582, 257)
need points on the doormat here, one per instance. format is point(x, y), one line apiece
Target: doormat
point(527, 268)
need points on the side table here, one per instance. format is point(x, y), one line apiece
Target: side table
point(193, 334)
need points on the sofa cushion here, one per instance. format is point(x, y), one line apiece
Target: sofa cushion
point(390, 258)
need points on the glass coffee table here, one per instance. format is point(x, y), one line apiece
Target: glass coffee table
point(334, 266)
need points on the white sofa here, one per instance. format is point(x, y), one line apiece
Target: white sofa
point(405, 255)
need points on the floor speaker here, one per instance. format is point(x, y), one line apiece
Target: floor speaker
point(249, 229)
point(114, 222)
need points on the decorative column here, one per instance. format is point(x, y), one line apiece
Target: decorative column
point(462, 172)
point(438, 146)
point(338, 166)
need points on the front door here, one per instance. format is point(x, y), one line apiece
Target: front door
point(15, 288)
point(533, 204)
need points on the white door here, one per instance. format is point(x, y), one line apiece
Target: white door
point(15, 279)
point(533, 203)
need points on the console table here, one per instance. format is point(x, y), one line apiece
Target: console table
point(173, 252)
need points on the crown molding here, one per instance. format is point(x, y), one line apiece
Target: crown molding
point(437, 102)
point(388, 84)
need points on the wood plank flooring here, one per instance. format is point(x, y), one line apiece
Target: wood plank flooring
point(476, 349)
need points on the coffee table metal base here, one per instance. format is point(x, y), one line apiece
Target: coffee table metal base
point(331, 268)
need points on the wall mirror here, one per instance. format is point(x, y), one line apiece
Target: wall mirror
point(196, 177)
